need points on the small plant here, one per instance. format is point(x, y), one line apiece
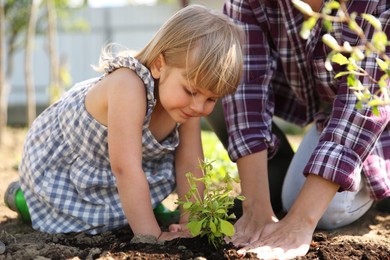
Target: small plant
point(208, 214)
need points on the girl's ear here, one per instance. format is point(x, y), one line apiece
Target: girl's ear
point(157, 65)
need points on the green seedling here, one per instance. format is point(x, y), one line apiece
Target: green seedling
point(208, 214)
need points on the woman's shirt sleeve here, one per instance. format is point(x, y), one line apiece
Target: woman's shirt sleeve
point(249, 111)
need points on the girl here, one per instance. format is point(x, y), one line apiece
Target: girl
point(113, 147)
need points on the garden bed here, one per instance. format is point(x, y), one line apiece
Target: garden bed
point(367, 238)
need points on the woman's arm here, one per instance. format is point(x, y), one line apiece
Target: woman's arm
point(257, 209)
point(291, 236)
point(248, 115)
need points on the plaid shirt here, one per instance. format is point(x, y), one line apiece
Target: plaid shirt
point(285, 76)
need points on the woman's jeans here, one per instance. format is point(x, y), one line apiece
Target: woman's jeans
point(345, 208)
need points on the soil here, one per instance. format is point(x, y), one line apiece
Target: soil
point(367, 238)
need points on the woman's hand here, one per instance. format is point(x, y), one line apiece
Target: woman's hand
point(249, 227)
point(281, 240)
point(291, 237)
point(256, 207)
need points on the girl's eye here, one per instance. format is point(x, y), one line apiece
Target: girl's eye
point(189, 92)
point(214, 100)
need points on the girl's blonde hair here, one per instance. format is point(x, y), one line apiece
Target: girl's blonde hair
point(215, 64)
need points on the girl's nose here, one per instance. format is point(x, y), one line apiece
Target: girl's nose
point(198, 106)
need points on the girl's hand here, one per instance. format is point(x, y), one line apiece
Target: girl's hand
point(175, 231)
point(166, 236)
point(179, 228)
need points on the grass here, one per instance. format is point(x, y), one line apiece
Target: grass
point(215, 152)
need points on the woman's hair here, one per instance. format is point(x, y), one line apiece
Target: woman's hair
point(204, 42)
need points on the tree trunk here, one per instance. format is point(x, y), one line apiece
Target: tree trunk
point(3, 86)
point(30, 88)
point(55, 88)
point(184, 3)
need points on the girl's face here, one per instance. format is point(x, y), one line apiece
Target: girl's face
point(181, 99)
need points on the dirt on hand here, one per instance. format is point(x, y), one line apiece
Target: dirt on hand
point(367, 238)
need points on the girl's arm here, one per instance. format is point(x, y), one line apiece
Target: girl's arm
point(126, 108)
point(188, 157)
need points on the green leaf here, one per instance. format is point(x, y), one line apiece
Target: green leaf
point(187, 205)
point(359, 105)
point(373, 21)
point(331, 42)
point(241, 197)
point(357, 86)
point(383, 81)
point(204, 223)
point(379, 40)
point(217, 234)
point(332, 5)
point(352, 65)
point(303, 7)
point(195, 227)
point(307, 26)
point(206, 211)
point(212, 226)
point(304, 33)
point(357, 54)
point(328, 65)
point(227, 228)
point(354, 26)
point(347, 47)
point(221, 211)
point(382, 64)
point(340, 59)
point(351, 80)
point(215, 204)
point(375, 111)
point(376, 102)
point(340, 74)
point(367, 94)
point(359, 95)
point(327, 25)
point(232, 216)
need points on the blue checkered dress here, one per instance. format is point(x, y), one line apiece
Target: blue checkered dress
point(65, 170)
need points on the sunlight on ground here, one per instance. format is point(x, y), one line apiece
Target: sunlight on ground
point(294, 141)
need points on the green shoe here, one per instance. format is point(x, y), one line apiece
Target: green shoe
point(165, 217)
point(14, 199)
